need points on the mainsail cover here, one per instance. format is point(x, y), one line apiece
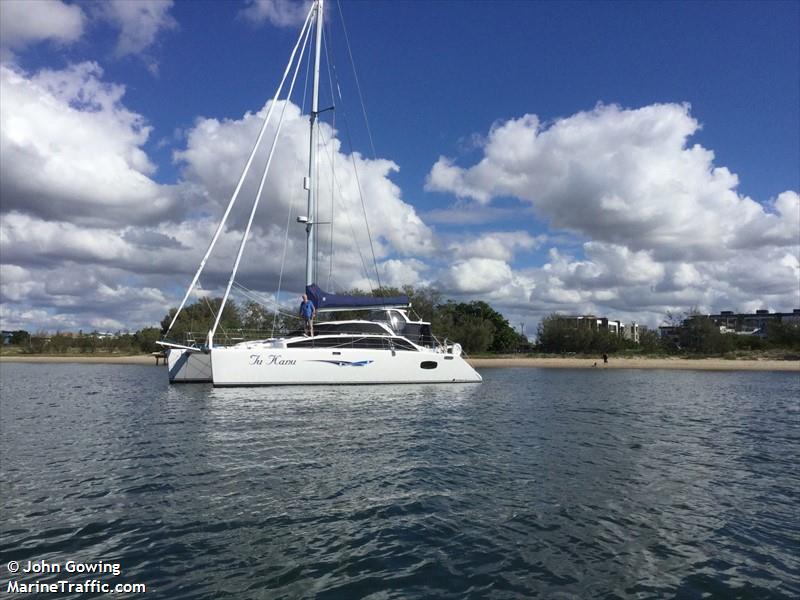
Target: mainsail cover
point(324, 300)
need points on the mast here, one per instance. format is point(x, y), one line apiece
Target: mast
point(304, 35)
point(312, 154)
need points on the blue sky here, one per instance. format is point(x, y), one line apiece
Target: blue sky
point(447, 87)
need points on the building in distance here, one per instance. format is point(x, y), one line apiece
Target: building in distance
point(729, 322)
point(593, 323)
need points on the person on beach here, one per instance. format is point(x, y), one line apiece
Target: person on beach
point(605, 358)
point(307, 312)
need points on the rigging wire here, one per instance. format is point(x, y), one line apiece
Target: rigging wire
point(350, 222)
point(255, 296)
point(211, 310)
point(355, 76)
point(259, 192)
point(363, 204)
point(303, 30)
point(350, 143)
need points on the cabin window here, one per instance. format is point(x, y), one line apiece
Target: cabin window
point(401, 344)
point(363, 342)
point(428, 364)
point(323, 342)
point(349, 328)
point(372, 343)
point(396, 320)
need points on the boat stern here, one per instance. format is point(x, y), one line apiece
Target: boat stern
point(189, 365)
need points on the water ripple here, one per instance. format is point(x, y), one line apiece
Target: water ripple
point(535, 484)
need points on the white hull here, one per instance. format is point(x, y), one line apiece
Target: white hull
point(243, 366)
point(189, 366)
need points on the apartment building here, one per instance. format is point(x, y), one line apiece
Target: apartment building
point(629, 332)
point(730, 322)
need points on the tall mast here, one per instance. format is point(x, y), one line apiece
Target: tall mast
point(312, 155)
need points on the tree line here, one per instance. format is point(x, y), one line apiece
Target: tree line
point(696, 334)
point(142, 341)
point(477, 326)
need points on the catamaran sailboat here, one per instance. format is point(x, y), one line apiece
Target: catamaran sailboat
point(386, 346)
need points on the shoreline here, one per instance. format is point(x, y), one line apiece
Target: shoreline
point(108, 359)
point(674, 363)
point(699, 364)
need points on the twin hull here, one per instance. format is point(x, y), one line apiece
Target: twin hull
point(245, 366)
point(189, 366)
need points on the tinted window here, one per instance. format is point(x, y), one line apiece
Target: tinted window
point(342, 342)
point(401, 344)
point(360, 327)
point(323, 342)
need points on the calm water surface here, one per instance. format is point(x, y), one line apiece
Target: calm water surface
point(536, 484)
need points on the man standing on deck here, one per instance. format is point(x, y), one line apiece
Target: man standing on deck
point(307, 312)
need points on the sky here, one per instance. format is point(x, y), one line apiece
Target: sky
point(622, 159)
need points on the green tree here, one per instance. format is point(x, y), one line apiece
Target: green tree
point(196, 319)
point(38, 342)
point(85, 343)
point(424, 301)
point(59, 343)
point(20, 338)
point(700, 335)
point(748, 342)
point(649, 341)
point(504, 338)
point(784, 335)
point(474, 333)
point(556, 335)
point(145, 339)
point(256, 317)
point(126, 342)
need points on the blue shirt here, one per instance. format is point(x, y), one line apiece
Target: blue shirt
point(306, 309)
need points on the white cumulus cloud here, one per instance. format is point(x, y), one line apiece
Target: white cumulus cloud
point(281, 13)
point(139, 22)
point(626, 177)
point(499, 245)
point(23, 22)
point(663, 227)
point(69, 149)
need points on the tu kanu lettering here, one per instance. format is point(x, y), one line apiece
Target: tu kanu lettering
point(271, 359)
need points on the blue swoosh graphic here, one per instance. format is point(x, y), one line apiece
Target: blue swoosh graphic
point(345, 363)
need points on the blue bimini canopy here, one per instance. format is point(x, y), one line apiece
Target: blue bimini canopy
point(325, 301)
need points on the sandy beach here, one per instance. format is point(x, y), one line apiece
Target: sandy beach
point(112, 359)
point(701, 364)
